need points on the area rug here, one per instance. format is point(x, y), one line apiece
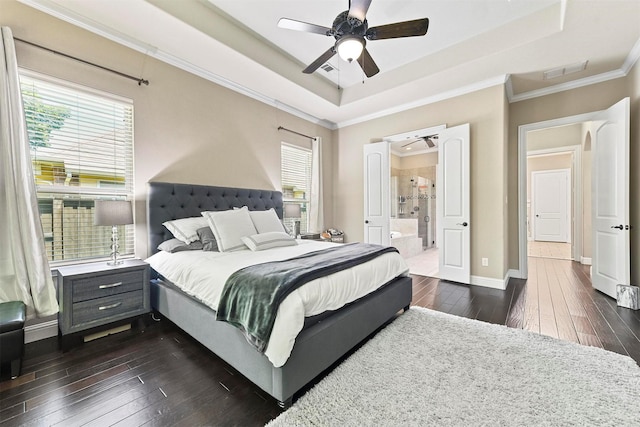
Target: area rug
point(430, 368)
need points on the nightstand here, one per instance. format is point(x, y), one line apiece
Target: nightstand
point(97, 294)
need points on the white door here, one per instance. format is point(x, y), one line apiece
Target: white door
point(610, 199)
point(453, 211)
point(377, 173)
point(551, 205)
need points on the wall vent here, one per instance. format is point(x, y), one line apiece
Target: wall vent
point(563, 71)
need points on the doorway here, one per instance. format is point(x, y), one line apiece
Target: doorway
point(591, 244)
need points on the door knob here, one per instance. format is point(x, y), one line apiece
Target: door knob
point(464, 224)
point(366, 221)
point(620, 227)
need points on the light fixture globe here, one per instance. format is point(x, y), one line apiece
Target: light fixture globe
point(350, 47)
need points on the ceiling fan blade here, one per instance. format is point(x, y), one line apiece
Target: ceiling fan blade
point(367, 64)
point(409, 143)
point(358, 9)
point(292, 24)
point(417, 27)
point(429, 142)
point(321, 60)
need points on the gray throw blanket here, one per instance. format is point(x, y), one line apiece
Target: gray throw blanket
point(252, 295)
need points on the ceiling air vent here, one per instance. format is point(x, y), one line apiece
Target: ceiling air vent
point(328, 67)
point(563, 71)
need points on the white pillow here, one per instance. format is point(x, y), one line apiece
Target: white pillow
point(186, 229)
point(273, 239)
point(266, 221)
point(229, 227)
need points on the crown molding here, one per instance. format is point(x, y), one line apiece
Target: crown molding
point(428, 100)
point(623, 71)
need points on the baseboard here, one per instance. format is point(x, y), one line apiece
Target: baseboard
point(585, 260)
point(488, 282)
point(41, 331)
point(515, 274)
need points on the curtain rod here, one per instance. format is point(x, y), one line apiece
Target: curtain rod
point(140, 81)
point(297, 133)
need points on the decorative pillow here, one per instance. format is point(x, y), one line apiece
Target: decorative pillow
point(230, 227)
point(185, 229)
point(175, 245)
point(266, 221)
point(208, 239)
point(273, 239)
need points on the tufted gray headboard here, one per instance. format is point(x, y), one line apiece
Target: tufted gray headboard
point(166, 201)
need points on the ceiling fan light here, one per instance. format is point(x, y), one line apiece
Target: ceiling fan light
point(350, 47)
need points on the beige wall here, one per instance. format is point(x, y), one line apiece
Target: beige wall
point(187, 129)
point(485, 111)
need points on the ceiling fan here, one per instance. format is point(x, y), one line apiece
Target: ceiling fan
point(351, 31)
point(429, 140)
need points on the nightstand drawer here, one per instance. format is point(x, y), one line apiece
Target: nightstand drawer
point(108, 308)
point(106, 285)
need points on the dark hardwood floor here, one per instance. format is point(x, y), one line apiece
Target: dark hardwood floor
point(158, 375)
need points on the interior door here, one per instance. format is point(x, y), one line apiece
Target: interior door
point(610, 204)
point(377, 177)
point(453, 205)
point(551, 205)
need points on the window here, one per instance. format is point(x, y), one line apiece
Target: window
point(296, 182)
point(81, 145)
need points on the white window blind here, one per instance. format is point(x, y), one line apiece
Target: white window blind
point(81, 144)
point(296, 182)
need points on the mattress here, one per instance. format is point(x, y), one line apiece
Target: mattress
point(202, 275)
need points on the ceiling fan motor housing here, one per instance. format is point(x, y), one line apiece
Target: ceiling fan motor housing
point(345, 24)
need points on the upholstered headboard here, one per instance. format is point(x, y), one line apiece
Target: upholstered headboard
point(166, 201)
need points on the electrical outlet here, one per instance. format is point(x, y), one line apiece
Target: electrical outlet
point(485, 262)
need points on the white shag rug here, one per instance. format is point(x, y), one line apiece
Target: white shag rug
point(431, 368)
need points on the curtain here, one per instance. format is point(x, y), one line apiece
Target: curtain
point(316, 217)
point(24, 269)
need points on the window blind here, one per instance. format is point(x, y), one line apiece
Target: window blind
point(81, 144)
point(296, 181)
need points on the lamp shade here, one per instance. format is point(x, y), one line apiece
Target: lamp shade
point(292, 210)
point(113, 212)
point(350, 47)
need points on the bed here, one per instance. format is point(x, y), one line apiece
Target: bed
point(324, 339)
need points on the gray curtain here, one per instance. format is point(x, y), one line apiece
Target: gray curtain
point(24, 268)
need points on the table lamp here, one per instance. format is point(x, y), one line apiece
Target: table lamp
point(294, 210)
point(113, 213)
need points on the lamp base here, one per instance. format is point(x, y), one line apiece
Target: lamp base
point(115, 262)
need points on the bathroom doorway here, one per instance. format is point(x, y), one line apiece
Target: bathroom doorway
point(413, 202)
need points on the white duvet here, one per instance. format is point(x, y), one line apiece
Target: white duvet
point(203, 274)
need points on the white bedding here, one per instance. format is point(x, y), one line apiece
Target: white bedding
point(203, 274)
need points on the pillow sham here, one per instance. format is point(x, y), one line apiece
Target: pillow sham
point(176, 245)
point(272, 239)
point(266, 221)
point(229, 227)
point(208, 239)
point(185, 229)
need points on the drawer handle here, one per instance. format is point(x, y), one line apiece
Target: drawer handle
point(110, 306)
point(113, 285)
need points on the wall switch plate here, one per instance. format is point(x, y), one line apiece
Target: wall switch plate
point(485, 262)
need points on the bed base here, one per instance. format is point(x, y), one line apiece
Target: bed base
point(317, 347)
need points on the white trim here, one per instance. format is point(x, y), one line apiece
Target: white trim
point(522, 179)
point(585, 260)
point(41, 331)
point(489, 282)
point(514, 274)
point(474, 87)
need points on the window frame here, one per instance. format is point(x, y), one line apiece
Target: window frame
point(82, 195)
point(304, 202)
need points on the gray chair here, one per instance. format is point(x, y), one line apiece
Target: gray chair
point(12, 317)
